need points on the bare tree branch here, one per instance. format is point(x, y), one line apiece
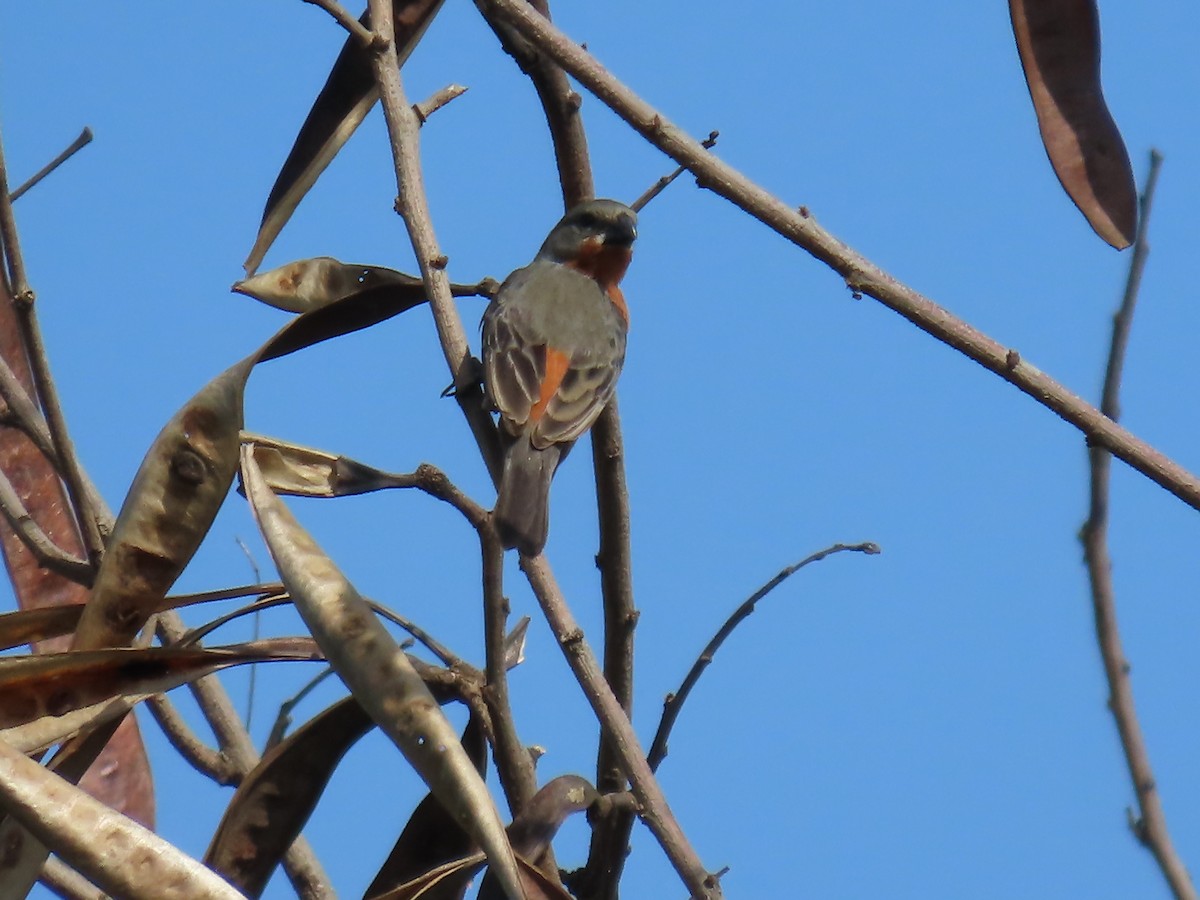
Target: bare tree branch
point(364, 35)
point(674, 702)
point(437, 100)
point(654, 810)
point(861, 275)
point(1150, 826)
point(44, 551)
point(403, 133)
point(85, 138)
point(203, 758)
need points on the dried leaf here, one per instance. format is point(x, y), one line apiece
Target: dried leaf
point(1059, 43)
point(174, 498)
point(112, 851)
point(448, 881)
point(344, 101)
point(308, 284)
point(514, 644)
point(307, 472)
point(533, 830)
point(25, 626)
point(353, 313)
point(379, 674)
point(47, 697)
point(274, 801)
point(432, 837)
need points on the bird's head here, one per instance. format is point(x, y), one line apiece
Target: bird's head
point(588, 228)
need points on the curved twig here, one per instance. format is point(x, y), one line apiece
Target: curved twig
point(1150, 826)
point(674, 702)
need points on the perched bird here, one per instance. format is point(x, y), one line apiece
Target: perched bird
point(553, 346)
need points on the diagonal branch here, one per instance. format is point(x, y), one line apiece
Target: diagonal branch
point(861, 275)
point(1151, 825)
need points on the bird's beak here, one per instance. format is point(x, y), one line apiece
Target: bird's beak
point(622, 232)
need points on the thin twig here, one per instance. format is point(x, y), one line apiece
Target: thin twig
point(284, 719)
point(674, 702)
point(45, 552)
point(31, 338)
point(203, 758)
point(861, 275)
point(654, 809)
point(413, 206)
point(361, 32)
point(85, 138)
point(448, 657)
point(1150, 826)
point(255, 632)
point(270, 601)
point(661, 185)
point(437, 100)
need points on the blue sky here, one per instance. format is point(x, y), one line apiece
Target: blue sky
point(925, 723)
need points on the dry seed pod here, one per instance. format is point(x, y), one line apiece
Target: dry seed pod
point(175, 496)
point(379, 674)
point(344, 101)
point(1059, 43)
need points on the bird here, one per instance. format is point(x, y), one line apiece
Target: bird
point(553, 346)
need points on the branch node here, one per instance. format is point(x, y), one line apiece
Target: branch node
point(1012, 359)
point(439, 262)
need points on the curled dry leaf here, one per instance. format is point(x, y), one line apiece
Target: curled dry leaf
point(307, 472)
point(311, 283)
point(274, 801)
point(340, 107)
point(514, 644)
point(432, 838)
point(379, 674)
point(1059, 43)
point(47, 697)
point(174, 498)
point(533, 830)
point(530, 835)
point(112, 851)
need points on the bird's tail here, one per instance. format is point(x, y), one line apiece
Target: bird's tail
point(522, 513)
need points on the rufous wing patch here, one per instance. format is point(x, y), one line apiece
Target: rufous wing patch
point(557, 363)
